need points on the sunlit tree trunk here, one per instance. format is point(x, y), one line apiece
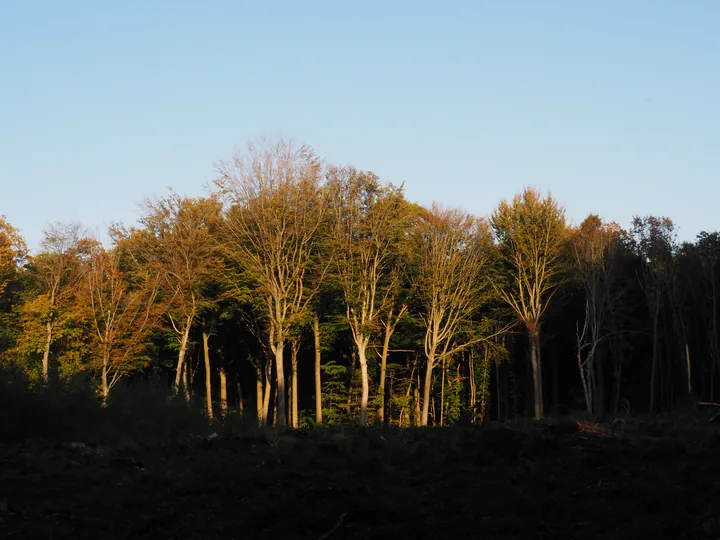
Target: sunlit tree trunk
point(295, 345)
point(180, 368)
point(46, 353)
point(535, 361)
point(223, 392)
point(427, 391)
point(208, 374)
point(318, 379)
point(259, 397)
point(365, 381)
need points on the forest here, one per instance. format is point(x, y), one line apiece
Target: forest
point(275, 360)
point(299, 293)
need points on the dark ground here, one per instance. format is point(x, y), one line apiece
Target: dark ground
point(532, 481)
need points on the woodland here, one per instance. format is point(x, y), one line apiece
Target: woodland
point(302, 325)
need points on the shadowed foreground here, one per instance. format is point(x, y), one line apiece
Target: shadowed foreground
point(564, 481)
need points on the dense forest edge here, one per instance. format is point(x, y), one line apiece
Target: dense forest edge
point(264, 362)
point(300, 293)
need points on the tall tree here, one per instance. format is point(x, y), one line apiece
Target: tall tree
point(123, 314)
point(594, 246)
point(178, 244)
point(277, 208)
point(453, 249)
point(369, 223)
point(531, 232)
point(56, 270)
point(12, 253)
point(655, 242)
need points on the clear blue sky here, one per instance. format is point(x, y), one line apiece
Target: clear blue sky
point(613, 105)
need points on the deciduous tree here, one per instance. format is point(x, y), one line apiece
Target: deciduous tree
point(276, 210)
point(531, 232)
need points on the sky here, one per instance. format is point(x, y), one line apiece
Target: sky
point(613, 107)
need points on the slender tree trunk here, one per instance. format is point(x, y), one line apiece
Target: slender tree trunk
point(442, 394)
point(181, 356)
point(389, 327)
point(365, 383)
point(536, 362)
point(318, 377)
point(473, 386)
point(46, 353)
point(223, 392)
point(105, 382)
point(267, 391)
point(259, 397)
point(416, 392)
point(280, 375)
point(427, 391)
point(485, 384)
point(294, 365)
point(208, 374)
point(186, 386)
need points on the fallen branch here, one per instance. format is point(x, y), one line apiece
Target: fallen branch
point(335, 528)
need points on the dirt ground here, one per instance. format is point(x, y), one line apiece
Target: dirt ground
point(540, 481)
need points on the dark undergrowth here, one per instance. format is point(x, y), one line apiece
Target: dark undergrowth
point(143, 467)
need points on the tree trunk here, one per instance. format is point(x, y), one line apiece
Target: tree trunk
point(280, 376)
point(181, 358)
point(46, 353)
point(442, 395)
point(105, 382)
point(473, 387)
point(365, 384)
point(208, 374)
point(416, 393)
point(426, 391)
point(186, 386)
point(383, 368)
point(318, 379)
point(223, 392)
point(294, 364)
point(485, 390)
point(259, 397)
point(536, 362)
point(267, 390)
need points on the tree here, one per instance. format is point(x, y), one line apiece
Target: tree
point(123, 314)
point(12, 252)
point(178, 245)
point(453, 249)
point(56, 270)
point(655, 244)
point(594, 246)
point(369, 223)
point(531, 232)
point(276, 210)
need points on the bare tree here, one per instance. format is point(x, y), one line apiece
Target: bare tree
point(531, 232)
point(277, 208)
point(453, 249)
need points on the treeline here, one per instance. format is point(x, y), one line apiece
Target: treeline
point(300, 292)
